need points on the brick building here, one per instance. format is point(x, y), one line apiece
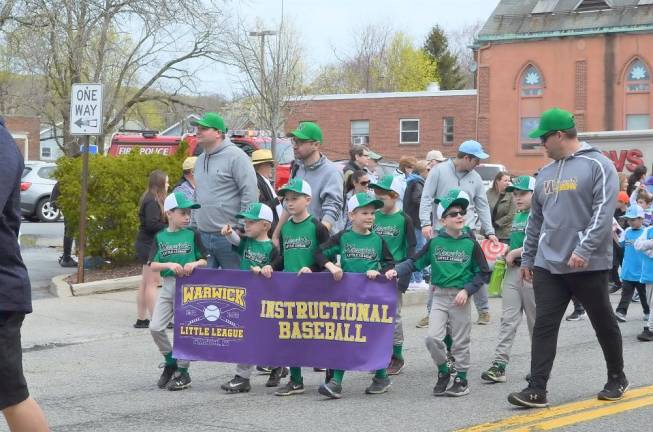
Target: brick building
point(591, 57)
point(25, 131)
point(393, 124)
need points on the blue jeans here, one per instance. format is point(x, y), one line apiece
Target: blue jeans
point(220, 253)
point(419, 276)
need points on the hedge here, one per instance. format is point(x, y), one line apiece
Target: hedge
point(115, 185)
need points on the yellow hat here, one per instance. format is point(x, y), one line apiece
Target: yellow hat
point(189, 163)
point(262, 156)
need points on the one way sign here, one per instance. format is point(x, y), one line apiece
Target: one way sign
point(86, 109)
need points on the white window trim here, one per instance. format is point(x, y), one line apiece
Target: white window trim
point(401, 130)
point(444, 130)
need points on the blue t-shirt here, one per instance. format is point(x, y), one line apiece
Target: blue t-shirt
point(647, 263)
point(631, 267)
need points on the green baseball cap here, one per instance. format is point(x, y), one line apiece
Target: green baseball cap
point(362, 199)
point(296, 185)
point(307, 131)
point(374, 155)
point(178, 200)
point(256, 211)
point(453, 197)
point(523, 183)
point(555, 119)
point(211, 120)
point(388, 183)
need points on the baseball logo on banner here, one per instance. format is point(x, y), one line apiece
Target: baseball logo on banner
point(493, 251)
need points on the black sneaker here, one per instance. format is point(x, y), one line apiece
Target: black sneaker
point(529, 398)
point(141, 324)
point(458, 388)
point(237, 385)
point(332, 389)
point(275, 377)
point(291, 388)
point(621, 317)
point(328, 374)
point(614, 389)
point(180, 381)
point(495, 374)
point(67, 262)
point(395, 366)
point(319, 369)
point(166, 375)
point(265, 370)
point(170, 325)
point(378, 386)
point(441, 386)
point(646, 335)
point(575, 316)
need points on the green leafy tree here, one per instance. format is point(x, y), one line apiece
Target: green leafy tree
point(446, 63)
point(408, 68)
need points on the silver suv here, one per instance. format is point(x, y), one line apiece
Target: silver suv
point(35, 189)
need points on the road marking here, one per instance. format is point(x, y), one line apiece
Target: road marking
point(576, 412)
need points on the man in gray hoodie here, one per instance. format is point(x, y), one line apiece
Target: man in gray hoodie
point(568, 252)
point(225, 184)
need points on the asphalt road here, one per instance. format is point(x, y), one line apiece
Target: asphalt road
point(92, 372)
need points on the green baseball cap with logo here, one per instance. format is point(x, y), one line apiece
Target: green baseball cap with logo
point(523, 183)
point(256, 211)
point(296, 185)
point(388, 183)
point(555, 119)
point(374, 155)
point(362, 199)
point(453, 197)
point(178, 200)
point(211, 120)
point(307, 131)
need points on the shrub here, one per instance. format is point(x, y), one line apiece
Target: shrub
point(115, 185)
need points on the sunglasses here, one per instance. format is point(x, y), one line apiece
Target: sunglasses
point(456, 213)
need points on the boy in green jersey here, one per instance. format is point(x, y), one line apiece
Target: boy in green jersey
point(361, 250)
point(257, 253)
point(176, 251)
point(458, 270)
point(398, 231)
point(299, 239)
point(517, 294)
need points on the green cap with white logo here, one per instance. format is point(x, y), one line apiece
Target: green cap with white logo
point(523, 183)
point(388, 183)
point(362, 199)
point(178, 200)
point(296, 185)
point(257, 211)
point(453, 197)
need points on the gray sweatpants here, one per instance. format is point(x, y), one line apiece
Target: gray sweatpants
point(518, 297)
point(244, 370)
point(164, 311)
point(443, 311)
point(398, 334)
point(480, 300)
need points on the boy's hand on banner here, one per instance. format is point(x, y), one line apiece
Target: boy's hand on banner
point(461, 298)
point(304, 270)
point(226, 230)
point(372, 274)
point(391, 274)
point(267, 271)
point(255, 269)
point(335, 270)
point(188, 268)
point(177, 268)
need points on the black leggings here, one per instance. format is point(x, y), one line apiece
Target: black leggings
point(627, 290)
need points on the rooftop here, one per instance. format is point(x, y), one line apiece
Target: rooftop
point(417, 94)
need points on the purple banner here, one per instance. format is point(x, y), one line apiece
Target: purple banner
point(288, 320)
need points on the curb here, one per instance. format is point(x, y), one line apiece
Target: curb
point(104, 286)
point(59, 287)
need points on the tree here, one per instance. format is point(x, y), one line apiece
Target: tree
point(141, 50)
point(407, 68)
point(460, 40)
point(446, 63)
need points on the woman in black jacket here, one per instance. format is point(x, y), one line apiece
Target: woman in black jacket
point(412, 198)
point(152, 220)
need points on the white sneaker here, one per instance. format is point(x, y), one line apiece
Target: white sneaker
point(620, 317)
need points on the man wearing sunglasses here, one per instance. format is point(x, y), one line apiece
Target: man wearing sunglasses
point(568, 252)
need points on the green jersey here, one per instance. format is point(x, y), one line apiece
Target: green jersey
point(455, 262)
point(358, 252)
point(299, 241)
point(255, 253)
point(518, 229)
point(182, 247)
point(398, 232)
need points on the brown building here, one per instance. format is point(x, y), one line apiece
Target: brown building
point(25, 131)
point(393, 124)
point(591, 57)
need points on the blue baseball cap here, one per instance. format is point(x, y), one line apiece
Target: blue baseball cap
point(634, 212)
point(473, 148)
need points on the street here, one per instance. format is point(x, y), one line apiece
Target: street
point(91, 371)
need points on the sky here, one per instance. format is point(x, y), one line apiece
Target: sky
point(325, 25)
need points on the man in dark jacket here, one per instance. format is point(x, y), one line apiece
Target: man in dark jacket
point(263, 165)
point(21, 412)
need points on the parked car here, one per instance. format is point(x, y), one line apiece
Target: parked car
point(488, 172)
point(35, 189)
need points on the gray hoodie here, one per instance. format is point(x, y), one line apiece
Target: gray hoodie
point(571, 212)
point(225, 184)
point(326, 186)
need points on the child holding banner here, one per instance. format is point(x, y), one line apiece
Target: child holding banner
point(517, 294)
point(361, 250)
point(257, 253)
point(458, 270)
point(299, 239)
point(176, 251)
point(398, 231)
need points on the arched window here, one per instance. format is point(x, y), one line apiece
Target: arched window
point(532, 83)
point(638, 78)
